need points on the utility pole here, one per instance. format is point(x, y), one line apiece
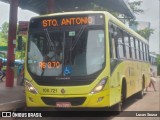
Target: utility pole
point(11, 43)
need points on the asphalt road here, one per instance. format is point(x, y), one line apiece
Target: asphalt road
point(149, 103)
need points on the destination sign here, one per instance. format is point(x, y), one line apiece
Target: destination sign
point(68, 21)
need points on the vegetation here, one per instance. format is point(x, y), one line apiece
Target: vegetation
point(4, 34)
point(4, 40)
point(158, 65)
point(146, 33)
point(4, 31)
point(135, 7)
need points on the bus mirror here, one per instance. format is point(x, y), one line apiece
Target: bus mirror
point(19, 43)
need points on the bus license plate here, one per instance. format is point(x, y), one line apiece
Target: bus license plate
point(63, 104)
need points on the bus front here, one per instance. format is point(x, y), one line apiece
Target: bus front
point(75, 74)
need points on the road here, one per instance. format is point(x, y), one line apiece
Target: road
point(149, 103)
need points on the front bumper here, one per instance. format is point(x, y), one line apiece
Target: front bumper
point(100, 99)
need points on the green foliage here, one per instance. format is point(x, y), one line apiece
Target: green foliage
point(4, 34)
point(4, 30)
point(158, 59)
point(4, 40)
point(135, 7)
point(21, 54)
point(146, 33)
point(158, 64)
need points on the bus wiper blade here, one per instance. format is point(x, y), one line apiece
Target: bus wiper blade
point(77, 37)
point(52, 45)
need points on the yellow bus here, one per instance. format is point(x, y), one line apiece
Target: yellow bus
point(93, 61)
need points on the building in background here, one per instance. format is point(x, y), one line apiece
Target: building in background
point(140, 25)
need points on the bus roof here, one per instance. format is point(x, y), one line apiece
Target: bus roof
point(71, 13)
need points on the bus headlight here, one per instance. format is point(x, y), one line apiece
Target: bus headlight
point(30, 87)
point(99, 86)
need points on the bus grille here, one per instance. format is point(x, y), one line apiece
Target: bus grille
point(73, 101)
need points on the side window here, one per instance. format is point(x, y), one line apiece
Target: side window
point(141, 50)
point(147, 53)
point(132, 47)
point(120, 43)
point(126, 42)
point(130, 50)
point(113, 48)
point(144, 52)
point(137, 49)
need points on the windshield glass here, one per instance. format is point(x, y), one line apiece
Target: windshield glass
point(66, 45)
point(66, 53)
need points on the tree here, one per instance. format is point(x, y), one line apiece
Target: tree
point(135, 7)
point(146, 33)
point(4, 39)
point(158, 64)
point(4, 30)
point(21, 54)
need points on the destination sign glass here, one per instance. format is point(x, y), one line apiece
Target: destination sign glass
point(69, 20)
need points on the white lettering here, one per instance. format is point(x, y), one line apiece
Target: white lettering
point(137, 114)
point(151, 114)
point(34, 115)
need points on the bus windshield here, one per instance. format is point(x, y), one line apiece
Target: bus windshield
point(69, 51)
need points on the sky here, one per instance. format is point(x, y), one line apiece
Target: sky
point(23, 15)
point(151, 14)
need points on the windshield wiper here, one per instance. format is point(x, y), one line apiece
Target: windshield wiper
point(77, 37)
point(52, 45)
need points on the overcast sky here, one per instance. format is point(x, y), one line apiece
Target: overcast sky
point(23, 15)
point(151, 14)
